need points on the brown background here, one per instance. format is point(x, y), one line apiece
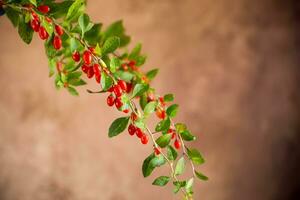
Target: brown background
point(233, 66)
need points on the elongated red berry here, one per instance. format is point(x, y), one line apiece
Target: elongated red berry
point(131, 63)
point(92, 49)
point(59, 30)
point(129, 87)
point(144, 139)
point(177, 144)
point(34, 15)
point(156, 151)
point(131, 129)
point(117, 90)
point(139, 132)
point(43, 33)
point(98, 78)
point(43, 9)
point(161, 114)
point(57, 42)
point(76, 56)
point(87, 57)
point(110, 100)
point(111, 89)
point(59, 67)
point(133, 116)
point(162, 101)
point(126, 111)
point(96, 68)
point(85, 68)
point(35, 25)
point(123, 85)
point(90, 72)
point(118, 102)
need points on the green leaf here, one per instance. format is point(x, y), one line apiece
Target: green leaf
point(77, 82)
point(187, 136)
point(139, 89)
point(151, 162)
point(150, 108)
point(93, 35)
point(161, 181)
point(168, 97)
point(106, 81)
point(73, 44)
point(115, 29)
point(48, 26)
point(180, 166)
point(12, 15)
point(74, 75)
point(164, 140)
point(151, 74)
point(172, 110)
point(97, 49)
point(163, 125)
point(195, 156)
point(74, 8)
point(33, 2)
point(110, 45)
point(114, 63)
point(52, 66)
point(135, 52)
point(118, 126)
point(201, 176)
point(178, 185)
point(171, 153)
point(59, 9)
point(143, 101)
point(140, 60)
point(126, 76)
point(180, 127)
point(73, 91)
point(189, 185)
point(84, 23)
point(25, 31)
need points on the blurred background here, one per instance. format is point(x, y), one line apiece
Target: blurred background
point(233, 66)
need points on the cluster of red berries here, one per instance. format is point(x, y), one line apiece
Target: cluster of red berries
point(116, 92)
point(133, 130)
point(89, 68)
point(160, 110)
point(177, 143)
point(36, 26)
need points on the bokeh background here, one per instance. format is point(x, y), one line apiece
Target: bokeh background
point(234, 67)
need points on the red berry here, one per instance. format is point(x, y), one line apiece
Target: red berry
point(90, 72)
point(98, 78)
point(96, 68)
point(57, 42)
point(133, 116)
point(85, 68)
point(123, 85)
point(162, 101)
point(161, 114)
point(129, 87)
point(156, 151)
point(150, 97)
point(35, 25)
point(173, 135)
point(43, 33)
point(34, 15)
point(110, 100)
point(124, 66)
point(43, 9)
point(131, 129)
point(117, 90)
point(59, 66)
point(177, 144)
point(49, 20)
point(126, 111)
point(144, 139)
point(87, 57)
point(76, 56)
point(118, 103)
point(139, 132)
point(111, 89)
point(59, 30)
point(131, 63)
point(92, 49)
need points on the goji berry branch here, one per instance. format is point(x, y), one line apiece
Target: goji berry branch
point(72, 42)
